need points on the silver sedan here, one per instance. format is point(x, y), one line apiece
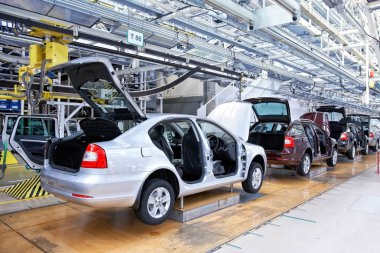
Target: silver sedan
point(149, 165)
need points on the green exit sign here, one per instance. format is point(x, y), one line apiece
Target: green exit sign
point(135, 38)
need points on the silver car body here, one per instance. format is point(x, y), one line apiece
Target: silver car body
point(132, 157)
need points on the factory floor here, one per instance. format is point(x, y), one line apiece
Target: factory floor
point(344, 219)
point(67, 227)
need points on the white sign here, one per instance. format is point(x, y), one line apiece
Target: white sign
point(264, 74)
point(135, 38)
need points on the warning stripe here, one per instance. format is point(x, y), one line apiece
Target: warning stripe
point(29, 188)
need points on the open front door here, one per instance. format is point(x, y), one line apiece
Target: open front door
point(28, 139)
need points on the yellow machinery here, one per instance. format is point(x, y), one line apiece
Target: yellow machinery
point(52, 52)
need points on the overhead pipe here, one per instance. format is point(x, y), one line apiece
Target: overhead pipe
point(13, 59)
point(233, 9)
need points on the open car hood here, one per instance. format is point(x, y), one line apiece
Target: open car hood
point(94, 79)
point(236, 117)
point(271, 109)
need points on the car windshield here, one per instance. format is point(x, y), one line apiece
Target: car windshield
point(105, 96)
point(334, 116)
point(270, 108)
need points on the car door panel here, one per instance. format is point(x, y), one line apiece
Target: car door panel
point(28, 139)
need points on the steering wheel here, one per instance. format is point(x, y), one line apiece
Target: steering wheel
point(213, 141)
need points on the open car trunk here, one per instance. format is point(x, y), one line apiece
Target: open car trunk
point(336, 129)
point(96, 82)
point(269, 141)
point(269, 135)
point(67, 153)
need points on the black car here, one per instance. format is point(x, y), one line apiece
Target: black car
point(350, 136)
point(371, 128)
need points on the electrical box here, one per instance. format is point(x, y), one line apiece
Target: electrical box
point(35, 55)
point(57, 53)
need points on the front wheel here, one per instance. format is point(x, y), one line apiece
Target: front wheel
point(352, 152)
point(303, 168)
point(254, 179)
point(332, 161)
point(365, 151)
point(157, 200)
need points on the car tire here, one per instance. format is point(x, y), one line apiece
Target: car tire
point(366, 150)
point(332, 161)
point(352, 153)
point(376, 147)
point(254, 179)
point(303, 169)
point(156, 202)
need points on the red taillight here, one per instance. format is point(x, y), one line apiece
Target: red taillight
point(94, 157)
point(344, 136)
point(289, 142)
point(371, 135)
point(81, 196)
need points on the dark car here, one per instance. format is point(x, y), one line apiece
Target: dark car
point(289, 143)
point(350, 136)
point(370, 126)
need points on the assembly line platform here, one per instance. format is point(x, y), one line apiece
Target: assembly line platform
point(67, 227)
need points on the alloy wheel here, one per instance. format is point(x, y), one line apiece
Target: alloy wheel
point(256, 178)
point(306, 164)
point(158, 202)
point(335, 156)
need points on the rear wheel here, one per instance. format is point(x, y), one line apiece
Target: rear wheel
point(157, 200)
point(331, 162)
point(254, 179)
point(352, 153)
point(376, 147)
point(365, 151)
point(303, 168)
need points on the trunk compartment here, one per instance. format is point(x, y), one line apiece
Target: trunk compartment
point(67, 153)
point(269, 141)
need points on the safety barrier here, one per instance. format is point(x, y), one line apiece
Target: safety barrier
point(29, 188)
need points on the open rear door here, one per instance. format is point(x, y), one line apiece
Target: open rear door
point(28, 139)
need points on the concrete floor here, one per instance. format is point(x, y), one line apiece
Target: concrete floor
point(68, 227)
point(343, 219)
point(16, 173)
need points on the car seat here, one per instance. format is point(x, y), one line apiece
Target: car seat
point(192, 166)
point(157, 136)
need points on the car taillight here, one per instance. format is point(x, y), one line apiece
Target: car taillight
point(289, 142)
point(94, 157)
point(371, 135)
point(344, 136)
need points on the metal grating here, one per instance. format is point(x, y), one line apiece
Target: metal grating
point(72, 16)
point(37, 6)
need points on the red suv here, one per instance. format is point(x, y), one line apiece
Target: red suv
point(297, 143)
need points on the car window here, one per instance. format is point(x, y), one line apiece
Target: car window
point(335, 116)
point(375, 123)
point(296, 129)
point(270, 108)
point(10, 123)
point(209, 129)
point(319, 131)
point(269, 128)
point(36, 127)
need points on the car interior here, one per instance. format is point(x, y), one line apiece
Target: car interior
point(322, 139)
point(178, 141)
point(268, 135)
point(311, 138)
point(223, 147)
